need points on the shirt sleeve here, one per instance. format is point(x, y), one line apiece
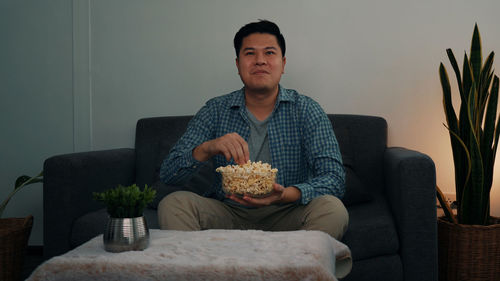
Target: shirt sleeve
point(323, 156)
point(180, 164)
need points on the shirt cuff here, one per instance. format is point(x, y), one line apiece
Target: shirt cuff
point(307, 192)
point(189, 162)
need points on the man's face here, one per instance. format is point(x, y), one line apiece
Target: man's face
point(260, 62)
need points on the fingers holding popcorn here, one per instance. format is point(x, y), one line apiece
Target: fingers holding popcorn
point(233, 146)
point(230, 145)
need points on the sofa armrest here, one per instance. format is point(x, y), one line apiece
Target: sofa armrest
point(411, 193)
point(68, 183)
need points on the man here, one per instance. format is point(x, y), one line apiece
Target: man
point(261, 122)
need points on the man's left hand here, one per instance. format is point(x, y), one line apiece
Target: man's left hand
point(279, 194)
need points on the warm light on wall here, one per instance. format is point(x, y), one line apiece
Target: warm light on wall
point(422, 129)
point(443, 160)
point(495, 191)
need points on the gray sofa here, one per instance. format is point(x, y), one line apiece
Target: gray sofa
point(390, 194)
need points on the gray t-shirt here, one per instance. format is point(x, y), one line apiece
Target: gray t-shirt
point(258, 143)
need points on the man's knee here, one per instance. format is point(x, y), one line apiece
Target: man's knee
point(174, 200)
point(328, 213)
point(175, 210)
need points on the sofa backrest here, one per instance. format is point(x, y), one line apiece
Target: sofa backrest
point(362, 140)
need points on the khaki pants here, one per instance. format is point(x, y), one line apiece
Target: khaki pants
point(183, 210)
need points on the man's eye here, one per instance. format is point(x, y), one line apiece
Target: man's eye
point(270, 52)
point(249, 53)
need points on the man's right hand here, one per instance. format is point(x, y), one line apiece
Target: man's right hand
point(230, 145)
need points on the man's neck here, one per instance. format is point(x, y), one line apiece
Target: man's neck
point(261, 104)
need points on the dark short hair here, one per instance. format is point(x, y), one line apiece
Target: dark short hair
point(261, 26)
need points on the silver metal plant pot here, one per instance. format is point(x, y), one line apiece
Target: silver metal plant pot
point(126, 234)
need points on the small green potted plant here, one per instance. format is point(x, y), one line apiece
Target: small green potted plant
point(126, 229)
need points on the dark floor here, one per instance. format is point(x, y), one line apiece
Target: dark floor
point(33, 258)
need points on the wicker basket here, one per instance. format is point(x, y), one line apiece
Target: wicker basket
point(469, 252)
point(14, 234)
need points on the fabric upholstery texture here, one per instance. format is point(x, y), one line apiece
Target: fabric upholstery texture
point(390, 194)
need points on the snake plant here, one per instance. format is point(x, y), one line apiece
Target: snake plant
point(473, 132)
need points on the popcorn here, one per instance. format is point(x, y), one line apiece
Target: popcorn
point(254, 178)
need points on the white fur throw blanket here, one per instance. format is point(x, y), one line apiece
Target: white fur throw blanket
point(207, 255)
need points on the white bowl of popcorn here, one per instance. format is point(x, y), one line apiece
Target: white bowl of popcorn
point(253, 178)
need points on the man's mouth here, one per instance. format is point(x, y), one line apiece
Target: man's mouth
point(260, 72)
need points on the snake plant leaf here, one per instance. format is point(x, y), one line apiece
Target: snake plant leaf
point(24, 179)
point(462, 162)
point(487, 81)
point(483, 84)
point(489, 143)
point(476, 57)
point(494, 91)
point(466, 85)
point(488, 147)
point(472, 198)
point(459, 165)
point(467, 77)
point(486, 71)
point(451, 116)
point(457, 132)
point(489, 122)
point(20, 180)
point(486, 76)
point(454, 64)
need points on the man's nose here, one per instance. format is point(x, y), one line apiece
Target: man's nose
point(260, 59)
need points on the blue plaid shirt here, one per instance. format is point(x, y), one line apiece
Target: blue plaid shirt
point(302, 144)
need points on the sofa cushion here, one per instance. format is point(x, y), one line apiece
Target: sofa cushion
point(371, 231)
point(363, 141)
point(154, 138)
point(355, 192)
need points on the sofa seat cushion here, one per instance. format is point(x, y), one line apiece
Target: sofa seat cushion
point(92, 224)
point(371, 231)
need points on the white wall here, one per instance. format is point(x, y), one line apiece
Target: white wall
point(135, 59)
point(36, 105)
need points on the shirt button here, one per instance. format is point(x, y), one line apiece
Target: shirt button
point(175, 174)
point(194, 166)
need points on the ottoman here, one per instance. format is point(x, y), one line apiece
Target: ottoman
point(207, 255)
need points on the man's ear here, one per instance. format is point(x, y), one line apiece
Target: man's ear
point(284, 62)
point(237, 64)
